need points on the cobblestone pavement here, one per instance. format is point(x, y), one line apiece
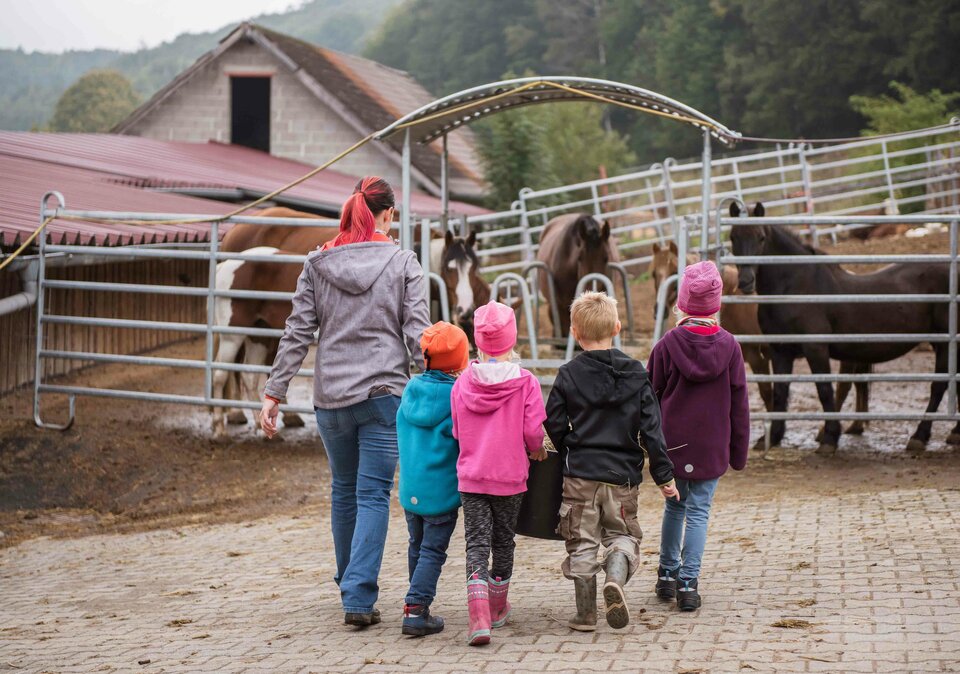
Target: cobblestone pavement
point(855, 583)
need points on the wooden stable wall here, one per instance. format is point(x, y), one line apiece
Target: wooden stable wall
point(18, 330)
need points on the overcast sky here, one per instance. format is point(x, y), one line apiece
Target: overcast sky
point(59, 25)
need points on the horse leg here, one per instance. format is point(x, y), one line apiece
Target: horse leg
point(863, 397)
point(254, 353)
point(782, 364)
point(228, 347)
point(290, 419)
point(759, 364)
point(921, 436)
point(233, 391)
point(818, 357)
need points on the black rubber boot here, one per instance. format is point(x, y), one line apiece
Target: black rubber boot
point(666, 583)
point(586, 618)
point(618, 568)
point(362, 619)
point(688, 599)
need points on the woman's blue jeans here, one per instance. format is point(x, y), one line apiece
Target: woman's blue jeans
point(361, 444)
point(681, 549)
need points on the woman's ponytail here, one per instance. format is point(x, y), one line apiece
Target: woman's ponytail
point(371, 196)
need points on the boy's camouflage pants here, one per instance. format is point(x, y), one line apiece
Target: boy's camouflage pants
point(594, 514)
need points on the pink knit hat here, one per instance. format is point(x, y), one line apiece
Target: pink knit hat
point(495, 328)
point(700, 289)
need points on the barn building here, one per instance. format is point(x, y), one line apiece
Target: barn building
point(295, 100)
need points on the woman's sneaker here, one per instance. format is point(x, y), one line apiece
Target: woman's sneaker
point(666, 583)
point(417, 621)
point(688, 599)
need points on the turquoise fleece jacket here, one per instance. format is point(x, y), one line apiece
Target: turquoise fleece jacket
point(428, 450)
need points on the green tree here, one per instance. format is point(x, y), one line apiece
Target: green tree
point(578, 144)
point(94, 103)
point(511, 148)
point(906, 110)
point(547, 145)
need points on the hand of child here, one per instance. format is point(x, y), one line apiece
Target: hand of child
point(669, 490)
point(268, 417)
point(539, 455)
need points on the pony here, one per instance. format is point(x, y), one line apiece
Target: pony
point(455, 259)
point(840, 318)
point(741, 319)
point(572, 246)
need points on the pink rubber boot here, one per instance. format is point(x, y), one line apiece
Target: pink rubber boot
point(478, 606)
point(499, 606)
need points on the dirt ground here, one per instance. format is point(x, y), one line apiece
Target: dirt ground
point(130, 466)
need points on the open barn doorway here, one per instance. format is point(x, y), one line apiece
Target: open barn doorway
point(250, 112)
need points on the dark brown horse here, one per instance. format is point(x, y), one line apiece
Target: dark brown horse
point(573, 246)
point(840, 318)
point(455, 259)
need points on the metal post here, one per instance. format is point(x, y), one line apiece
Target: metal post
point(668, 193)
point(444, 186)
point(681, 239)
point(425, 256)
point(405, 186)
point(807, 190)
point(662, 308)
point(596, 200)
point(886, 169)
point(705, 194)
point(783, 174)
point(211, 304)
point(41, 282)
point(952, 323)
point(525, 235)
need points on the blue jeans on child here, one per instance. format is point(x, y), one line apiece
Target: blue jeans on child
point(681, 549)
point(361, 444)
point(429, 539)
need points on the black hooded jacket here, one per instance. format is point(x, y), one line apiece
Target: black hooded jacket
point(601, 410)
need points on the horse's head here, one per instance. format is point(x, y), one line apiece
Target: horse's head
point(593, 243)
point(749, 242)
point(460, 270)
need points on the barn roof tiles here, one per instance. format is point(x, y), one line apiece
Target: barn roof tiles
point(130, 173)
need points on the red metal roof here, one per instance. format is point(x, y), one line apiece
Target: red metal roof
point(109, 172)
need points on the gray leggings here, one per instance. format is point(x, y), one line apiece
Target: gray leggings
point(488, 524)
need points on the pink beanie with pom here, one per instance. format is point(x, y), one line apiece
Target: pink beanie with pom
point(700, 289)
point(495, 328)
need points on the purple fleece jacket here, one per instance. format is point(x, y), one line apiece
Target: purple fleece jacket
point(702, 388)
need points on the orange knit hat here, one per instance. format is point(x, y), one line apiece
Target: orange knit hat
point(444, 347)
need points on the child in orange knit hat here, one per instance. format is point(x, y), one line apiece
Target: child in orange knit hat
point(428, 470)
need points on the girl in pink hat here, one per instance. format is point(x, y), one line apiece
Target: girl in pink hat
point(498, 416)
point(697, 373)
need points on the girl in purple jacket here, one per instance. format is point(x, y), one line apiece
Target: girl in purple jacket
point(498, 416)
point(697, 373)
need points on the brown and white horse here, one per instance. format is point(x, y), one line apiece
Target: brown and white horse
point(261, 350)
point(455, 259)
point(250, 313)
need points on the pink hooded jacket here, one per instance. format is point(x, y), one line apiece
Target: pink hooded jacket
point(497, 424)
